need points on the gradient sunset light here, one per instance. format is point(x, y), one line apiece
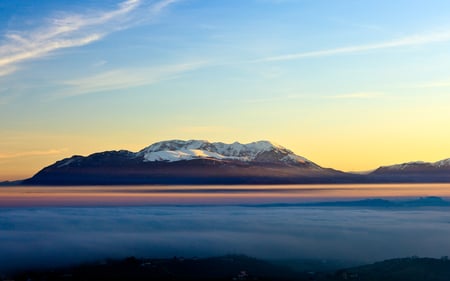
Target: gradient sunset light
point(350, 85)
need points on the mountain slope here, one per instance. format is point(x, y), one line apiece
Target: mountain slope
point(417, 171)
point(189, 162)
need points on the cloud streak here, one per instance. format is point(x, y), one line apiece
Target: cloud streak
point(158, 7)
point(414, 40)
point(362, 95)
point(125, 78)
point(31, 153)
point(66, 31)
point(278, 98)
point(204, 129)
point(436, 84)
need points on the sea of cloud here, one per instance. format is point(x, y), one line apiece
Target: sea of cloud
point(38, 237)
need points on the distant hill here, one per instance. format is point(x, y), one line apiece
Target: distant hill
point(414, 172)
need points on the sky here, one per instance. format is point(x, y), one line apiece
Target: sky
point(347, 84)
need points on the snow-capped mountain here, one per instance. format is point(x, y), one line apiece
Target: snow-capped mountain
point(203, 162)
point(189, 162)
point(260, 151)
point(416, 165)
point(405, 166)
point(417, 171)
point(442, 164)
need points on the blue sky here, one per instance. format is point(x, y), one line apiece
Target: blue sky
point(348, 84)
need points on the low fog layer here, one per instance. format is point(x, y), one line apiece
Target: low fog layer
point(56, 236)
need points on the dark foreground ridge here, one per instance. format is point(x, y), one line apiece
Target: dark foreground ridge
point(238, 267)
point(233, 267)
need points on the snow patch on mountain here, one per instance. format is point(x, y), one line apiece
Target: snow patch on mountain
point(177, 150)
point(182, 154)
point(295, 158)
point(404, 166)
point(443, 163)
point(439, 164)
point(66, 162)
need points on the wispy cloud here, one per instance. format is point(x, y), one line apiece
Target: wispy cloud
point(99, 63)
point(284, 98)
point(361, 95)
point(69, 30)
point(7, 70)
point(435, 84)
point(414, 40)
point(125, 78)
point(204, 129)
point(281, 98)
point(31, 153)
point(158, 7)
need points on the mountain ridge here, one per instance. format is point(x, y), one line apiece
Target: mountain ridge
point(416, 171)
point(177, 150)
point(189, 162)
point(204, 162)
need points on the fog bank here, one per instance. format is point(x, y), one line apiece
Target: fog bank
point(57, 236)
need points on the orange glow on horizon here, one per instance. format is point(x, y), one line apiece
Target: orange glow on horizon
point(204, 195)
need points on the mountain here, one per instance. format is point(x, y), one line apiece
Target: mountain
point(414, 172)
point(189, 162)
point(203, 162)
point(261, 151)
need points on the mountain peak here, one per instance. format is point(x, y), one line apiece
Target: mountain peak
point(417, 164)
point(442, 163)
point(259, 151)
point(404, 166)
point(176, 144)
